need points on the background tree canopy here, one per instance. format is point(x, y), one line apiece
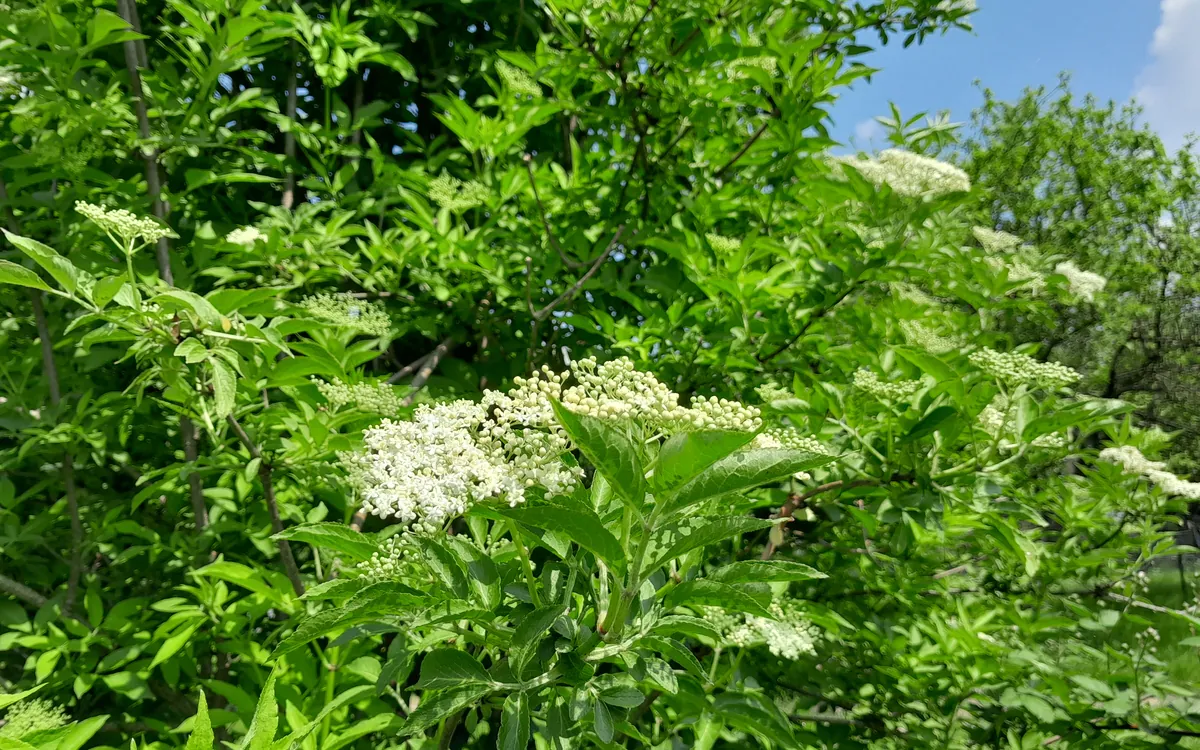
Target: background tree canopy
point(497, 375)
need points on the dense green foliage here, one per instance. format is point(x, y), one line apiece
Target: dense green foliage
point(496, 375)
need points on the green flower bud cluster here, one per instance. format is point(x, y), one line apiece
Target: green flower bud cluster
point(722, 244)
point(32, 715)
point(923, 336)
point(123, 225)
point(517, 80)
point(344, 310)
point(1014, 368)
point(882, 390)
point(375, 398)
point(456, 195)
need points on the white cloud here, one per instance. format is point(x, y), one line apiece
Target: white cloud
point(867, 131)
point(1169, 86)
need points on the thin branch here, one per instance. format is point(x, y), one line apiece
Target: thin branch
point(133, 63)
point(191, 452)
point(808, 324)
point(827, 719)
point(746, 146)
point(797, 501)
point(545, 222)
point(408, 369)
point(20, 591)
point(50, 367)
point(289, 138)
point(264, 474)
point(628, 46)
point(545, 311)
point(422, 376)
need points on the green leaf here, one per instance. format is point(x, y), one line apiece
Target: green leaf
point(929, 424)
point(266, 719)
point(514, 723)
point(755, 714)
point(686, 454)
point(660, 673)
point(192, 350)
point(202, 732)
point(527, 635)
point(625, 696)
point(676, 652)
point(11, 273)
point(172, 645)
point(335, 536)
point(107, 27)
point(927, 363)
point(610, 450)
point(603, 720)
point(447, 667)
point(724, 595)
point(765, 571)
point(745, 470)
point(385, 598)
point(106, 288)
point(11, 743)
point(7, 699)
point(289, 741)
point(59, 268)
point(79, 734)
point(581, 526)
point(202, 308)
point(677, 539)
point(224, 383)
point(445, 566)
point(1093, 685)
point(482, 574)
point(434, 709)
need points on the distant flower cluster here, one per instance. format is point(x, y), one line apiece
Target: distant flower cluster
point(347, 311)
point(998, 421)
point(455, 195)
point(32, 715)
point(517, 80)
point(1014, 368)
point(909, 174)
point(921, 335)
point(122, 226)
point(788, 634)
point(867, 381)
point(245, 236)
point(376, 398)
point(453, 455)
point(722, 244)
point(995, 242)
point(762, 62)
point(1132, 460)
point(1083, 284)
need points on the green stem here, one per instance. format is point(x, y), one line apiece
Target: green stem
point(514, 528)
point(330, 684)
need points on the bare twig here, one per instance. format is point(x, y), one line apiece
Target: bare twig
point(545, 222)
point(797, 501)
point(628, 46)
point(133, 63)
point(289, 138)
point(50, 367)
point(408, 369)
point(746, 146)
point(264, 474)
point(430, 364)
point(545, 311)
point(191, 452)
point(20, 591)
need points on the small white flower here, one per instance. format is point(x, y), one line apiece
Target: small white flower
point(245, 236)
point(1083, 284)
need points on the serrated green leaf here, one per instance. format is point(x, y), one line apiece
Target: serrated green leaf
point(59, 268)
point(261, 734)
point(224, 384)
point(335, 536)
point(445, 565)
point(677, 539)
point(482, 574)
point(765, 571)
point(603, 721)
point(11, 273)
point(744, 470)
point(580, 525)
point(676, 652)
point(514, 723)
point(201, 737)
point(434, 709)
point(527, 635)
point(686, 454)
point(725, 595)
point(447, 668)
point(609, 449)
point(7, 699)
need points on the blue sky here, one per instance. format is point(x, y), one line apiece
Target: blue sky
point(1116, 49)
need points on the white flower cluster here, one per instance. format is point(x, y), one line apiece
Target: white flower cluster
point(909, 174)
point(452, 455)
point(32, 715)
point(923, 336)
point(1013, 367)
point(967, 6)
point(722, 244)
point(883, 390)
point(762, 62)
point(246, 236)
point(1020, 272)
point(1083, 284)
point(123, 225)
point(914, 294)
point(344, 310)
point(770, 392)
point(376, 398)
point(429, 470)
point(994, 419)
point(456, 195)
point(517, 80)
point(394, 559)
point(790, 439)
point(9, 79)
point(994, 242)
point(787, 633)
point(1132, 460)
